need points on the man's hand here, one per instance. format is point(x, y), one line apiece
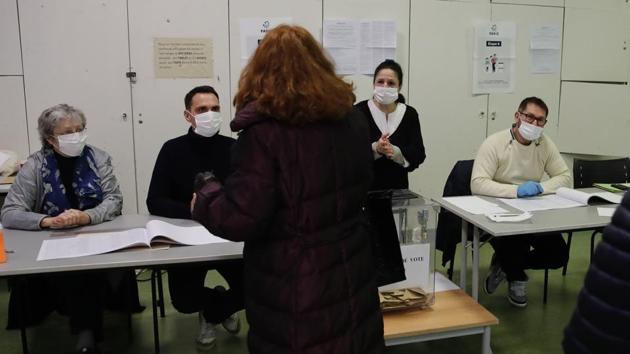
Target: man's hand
point(529, 189)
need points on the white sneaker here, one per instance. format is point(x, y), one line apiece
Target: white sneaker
point(232, 324)
point(207, 335)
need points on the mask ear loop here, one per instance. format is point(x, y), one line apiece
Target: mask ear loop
point(512, 133)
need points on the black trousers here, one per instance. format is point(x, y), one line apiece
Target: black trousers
point(189, 295)
point(79, 296)
point(538, 251)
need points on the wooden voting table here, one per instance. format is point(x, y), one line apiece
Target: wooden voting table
point(454, 314)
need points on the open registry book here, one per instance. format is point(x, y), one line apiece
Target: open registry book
point(97, 242)
point(564, 198)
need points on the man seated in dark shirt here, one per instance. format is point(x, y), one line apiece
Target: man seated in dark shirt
point(202, 149)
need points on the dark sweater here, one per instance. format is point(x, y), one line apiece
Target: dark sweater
point(178, 162)
point(408, 137)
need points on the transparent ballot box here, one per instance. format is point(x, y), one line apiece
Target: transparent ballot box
point(405, 248)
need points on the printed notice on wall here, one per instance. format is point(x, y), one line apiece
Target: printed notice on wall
point(176, 58)
point(544, 48)
point(494, 58)
point(341, 40)
point(358, 46)
point(252, 32)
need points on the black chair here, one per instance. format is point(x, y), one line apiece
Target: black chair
point(587, 172)
point(449, 227)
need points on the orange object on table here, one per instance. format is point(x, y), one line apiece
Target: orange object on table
point(3, 253)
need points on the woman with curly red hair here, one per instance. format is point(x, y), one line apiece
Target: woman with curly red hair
point(301, 170)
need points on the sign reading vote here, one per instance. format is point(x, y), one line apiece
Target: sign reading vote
point(416, 258)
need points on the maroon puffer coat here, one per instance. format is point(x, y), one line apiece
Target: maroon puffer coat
point(295, 197)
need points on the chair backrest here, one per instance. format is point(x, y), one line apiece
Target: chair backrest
point(448, 232)
point(587, 172)
point(458, 181)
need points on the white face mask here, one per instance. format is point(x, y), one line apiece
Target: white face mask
point(385, 95)
point(530, 131)
point(208, 123)
point(72, 144)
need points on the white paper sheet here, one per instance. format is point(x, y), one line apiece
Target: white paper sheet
point(475, 205)
point(346, 60)
point(545, 61)
point(442, 283)
point(190, 235)
point(378, 42)
point(359, 46)
point(369, 58)
point(86, 245)
point(341, 33)
point(606, 211)
point(545, 36)
point(547, 202)
point(378, 33)
point(416, 258)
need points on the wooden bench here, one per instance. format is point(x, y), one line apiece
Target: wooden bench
point(454, 314)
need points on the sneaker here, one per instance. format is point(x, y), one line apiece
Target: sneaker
point(517, 293)
point(495, 276)
point(207, 335)
point(232, 324)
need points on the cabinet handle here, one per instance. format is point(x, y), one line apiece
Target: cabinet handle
point(493, 115)
point(124, 116)
point(482, 115)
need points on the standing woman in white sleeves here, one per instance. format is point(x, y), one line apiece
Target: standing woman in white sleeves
point(394, 129)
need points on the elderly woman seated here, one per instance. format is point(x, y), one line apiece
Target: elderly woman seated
point(66, 184)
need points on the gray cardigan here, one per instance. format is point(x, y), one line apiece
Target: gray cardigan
point(24, 201)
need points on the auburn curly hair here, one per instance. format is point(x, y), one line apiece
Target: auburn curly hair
point(292, 80)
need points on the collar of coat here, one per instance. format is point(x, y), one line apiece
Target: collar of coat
point(247, 117)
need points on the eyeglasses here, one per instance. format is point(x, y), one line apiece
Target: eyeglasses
point(530, 118)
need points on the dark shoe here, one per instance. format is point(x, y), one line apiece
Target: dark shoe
point(231, 324)
point(495, 276)
point(517, 293)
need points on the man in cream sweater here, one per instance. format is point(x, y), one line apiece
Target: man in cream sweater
point(511, 164)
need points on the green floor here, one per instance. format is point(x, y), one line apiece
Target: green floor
point(535, 329)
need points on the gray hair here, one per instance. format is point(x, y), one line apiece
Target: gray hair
point(49, 118)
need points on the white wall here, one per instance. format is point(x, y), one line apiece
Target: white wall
point(79, 52)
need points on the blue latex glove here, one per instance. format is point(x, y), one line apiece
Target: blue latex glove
point(529, 189)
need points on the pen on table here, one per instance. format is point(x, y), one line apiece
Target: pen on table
point(9, 251)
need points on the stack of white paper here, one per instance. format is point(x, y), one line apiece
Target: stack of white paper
point(475, 205)
point(547, 202)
